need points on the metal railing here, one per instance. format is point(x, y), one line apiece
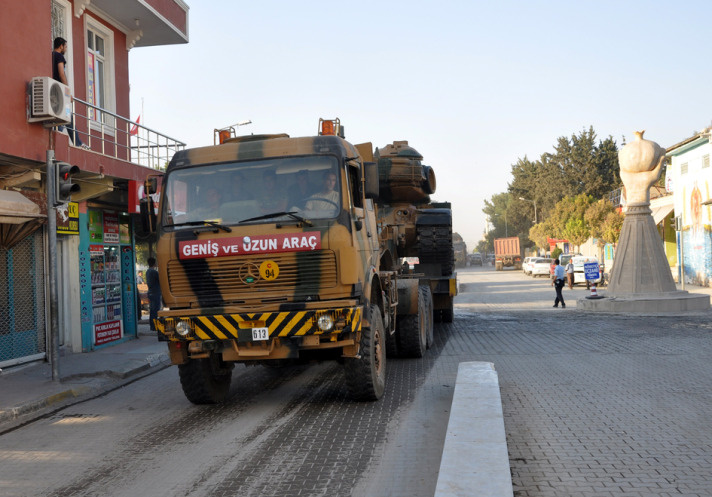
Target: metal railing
point(116, 136)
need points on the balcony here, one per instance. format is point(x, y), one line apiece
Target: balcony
point(117, 137)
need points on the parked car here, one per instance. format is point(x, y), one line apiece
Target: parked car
point(579, 275)
point(525, 265)
point(541, 266)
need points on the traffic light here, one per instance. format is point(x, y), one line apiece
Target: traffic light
point(63, 186)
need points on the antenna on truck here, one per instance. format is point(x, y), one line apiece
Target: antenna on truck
point(223, 134)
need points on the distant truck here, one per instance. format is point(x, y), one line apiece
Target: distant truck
point(459, 249)
point(507, 253)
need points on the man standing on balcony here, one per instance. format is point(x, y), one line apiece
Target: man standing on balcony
point(59, 64)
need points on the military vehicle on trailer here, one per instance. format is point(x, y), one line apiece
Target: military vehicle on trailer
point(274, 249)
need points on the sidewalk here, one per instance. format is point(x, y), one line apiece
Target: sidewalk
point(27, 392)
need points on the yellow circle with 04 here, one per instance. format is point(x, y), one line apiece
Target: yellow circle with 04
point(269, 270)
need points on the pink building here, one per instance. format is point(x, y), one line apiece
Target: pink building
point(96, 249)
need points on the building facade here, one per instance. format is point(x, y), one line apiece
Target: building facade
point(95, 232)
point(689, 176)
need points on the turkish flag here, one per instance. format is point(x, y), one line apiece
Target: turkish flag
point(134, 128)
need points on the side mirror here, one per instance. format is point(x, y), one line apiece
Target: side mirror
point(370, 173)
point(148, 215)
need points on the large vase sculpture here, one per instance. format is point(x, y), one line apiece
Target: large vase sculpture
point(640, 265)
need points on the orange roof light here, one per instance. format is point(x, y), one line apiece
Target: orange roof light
point(224, 134)
point(328, 127)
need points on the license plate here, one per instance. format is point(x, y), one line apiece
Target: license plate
point(260, 333)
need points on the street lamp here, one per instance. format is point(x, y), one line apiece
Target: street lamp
point(533, 202)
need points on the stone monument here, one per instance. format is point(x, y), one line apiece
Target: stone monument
point(641, 280)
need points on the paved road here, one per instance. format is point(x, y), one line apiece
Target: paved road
point(593, 405)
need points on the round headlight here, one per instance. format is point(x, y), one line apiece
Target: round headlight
point(325, 322)
point(182, 328)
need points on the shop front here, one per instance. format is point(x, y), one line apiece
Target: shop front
point(107, 277)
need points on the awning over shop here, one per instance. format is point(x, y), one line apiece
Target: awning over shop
point(19, 217)
point(661, 211)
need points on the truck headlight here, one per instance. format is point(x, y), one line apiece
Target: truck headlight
point(183, 328)
point(325, 322)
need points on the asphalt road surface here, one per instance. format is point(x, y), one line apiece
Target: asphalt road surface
point(593, 405)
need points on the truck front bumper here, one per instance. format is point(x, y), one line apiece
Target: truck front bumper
point(261, 326)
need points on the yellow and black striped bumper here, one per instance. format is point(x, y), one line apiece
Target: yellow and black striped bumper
point(280, 324)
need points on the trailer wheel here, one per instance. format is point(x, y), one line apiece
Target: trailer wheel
point(205, 381)
point(391, 344)
point(413, 330)
point(429, 315)
point(435, 247)
point(366, 375)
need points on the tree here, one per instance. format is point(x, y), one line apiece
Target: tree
point(567, 220)
point(579, 164)
point(612, 225)
point(539, 234)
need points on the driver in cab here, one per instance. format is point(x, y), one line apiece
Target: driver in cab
point(327, 199)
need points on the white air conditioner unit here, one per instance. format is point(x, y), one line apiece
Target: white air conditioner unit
point(50, 101)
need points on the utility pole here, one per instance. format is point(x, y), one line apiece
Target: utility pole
point(52, 242)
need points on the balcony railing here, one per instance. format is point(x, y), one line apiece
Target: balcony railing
point(115, 136)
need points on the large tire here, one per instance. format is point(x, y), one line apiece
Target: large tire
point(429, 315)
point(392, 344)
point(205, 381)
point(366, 375)
point(413, 330)
point(435, 247)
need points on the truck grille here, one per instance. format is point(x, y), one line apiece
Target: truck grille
point(218, 279)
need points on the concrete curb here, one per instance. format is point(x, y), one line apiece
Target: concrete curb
point(475, 459)
point(106, 381)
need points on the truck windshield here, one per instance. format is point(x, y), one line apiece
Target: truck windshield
point(253, 191)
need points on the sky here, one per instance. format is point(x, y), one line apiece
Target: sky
point(472, 85)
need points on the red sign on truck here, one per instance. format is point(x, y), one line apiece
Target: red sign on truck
point(260, 244)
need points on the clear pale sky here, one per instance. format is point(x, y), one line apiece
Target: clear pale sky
point(472, 85)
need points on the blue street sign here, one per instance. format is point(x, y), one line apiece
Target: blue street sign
point(590, 269)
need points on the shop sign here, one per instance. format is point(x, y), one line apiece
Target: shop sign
point(111, 227)
point(95, 227)
point(261, 244)
point(68, 219)
point(107, 332)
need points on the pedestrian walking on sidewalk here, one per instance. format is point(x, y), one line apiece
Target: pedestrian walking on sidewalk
point(558, 283)
point(570, 274)
point(154, 292)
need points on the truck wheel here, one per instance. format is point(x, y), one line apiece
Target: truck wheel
point(429, 315)
point(448, 313)
point(413, 330)
point(205, 381)
point(392, 344)
point(366, 375)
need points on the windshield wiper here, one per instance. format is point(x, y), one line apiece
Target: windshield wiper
point(198, 223)
point(292, 214)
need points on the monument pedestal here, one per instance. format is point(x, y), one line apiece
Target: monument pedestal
point(668, 302)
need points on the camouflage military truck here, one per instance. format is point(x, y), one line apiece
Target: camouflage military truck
point(273, 250)
point(459, 247)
